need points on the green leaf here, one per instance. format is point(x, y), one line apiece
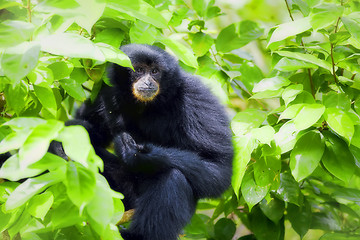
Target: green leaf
point(337, 157)
point(201, 43)
point(139, 10)
point(14, 140)
point(285, 138)
point(267, 170)
point(300, 217)
point(18, 61)
point(352, 24)
point(143, 33)
point(80, 184)
point(40, 205)
point(325, 14)
point(14, 171)
point(102, 197)
point(306, 155)
point(19, 124)
point(354, 141)
point(114, 55)
point(326, 220)
point(307, 58)
point(31, 187)
point(71, 45)
point(243, 147)
point(224, 229)
point(289, 29)
point(274, 209)
point(250, 74)
point(73, 88)
point(339, 236)
point(14, 32)
point(289, 190)
point(291, 92)
point(199, 6)
point(291, 111)
point(238, 35)
point(60, 70)
point(46, 97)
point(264, 134)
point(337, 100)
point(351, 194)
point(16, 97)
point(65, 214)
point(262, 227)
point(37, 144)
point(272, 84)
point(339, 37)
point(308, 115)
point(93, 9)
point(289, 65)
point(303, 6)
point(340, 122)
point(267, 94)
point(182, 52)
point(8, 4)
point(251, 192)
point(76, 143)
point(110, 36)
point(246, 120)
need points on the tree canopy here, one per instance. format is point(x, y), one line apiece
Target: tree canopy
point(287, 70)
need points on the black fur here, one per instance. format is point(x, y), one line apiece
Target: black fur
point(169, 152)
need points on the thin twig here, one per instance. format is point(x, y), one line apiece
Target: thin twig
point(28, 7)
point(303, 45)
point(288, 8)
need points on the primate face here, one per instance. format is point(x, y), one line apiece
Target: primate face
point(145, 81)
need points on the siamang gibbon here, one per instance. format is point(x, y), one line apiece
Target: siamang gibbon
point(171, 139)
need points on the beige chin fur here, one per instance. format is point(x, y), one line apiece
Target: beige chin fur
point(142, 98)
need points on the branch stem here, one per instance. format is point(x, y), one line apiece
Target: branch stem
point(303, 45)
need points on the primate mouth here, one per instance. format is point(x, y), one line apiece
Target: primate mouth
point(145, 94)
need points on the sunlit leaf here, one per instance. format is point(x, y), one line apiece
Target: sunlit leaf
point(201, 43)
point(30, 187)
point(14, 32)
point(37, 144)
point(80, 184)
point(271, 84)
point(251, 192)
point(40, 204)
point(71, 45)
point(306, 155)
point(180, 50)
point(238, 35)
point(351, 23)
point(340, 122)
point(325, 14)
point(308, 115)
point(243, 147)
point(76, 143)
point(73, 88)
point(289, 29)
point(247, 120)
point(19, 60)
point(139, 9)
point(307, 58)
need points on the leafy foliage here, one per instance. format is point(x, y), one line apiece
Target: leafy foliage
point(295, 115)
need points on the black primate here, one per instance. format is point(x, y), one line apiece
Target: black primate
point(171, 138)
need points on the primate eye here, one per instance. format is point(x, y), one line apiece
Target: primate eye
point(154, 71)
point(139, 70)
